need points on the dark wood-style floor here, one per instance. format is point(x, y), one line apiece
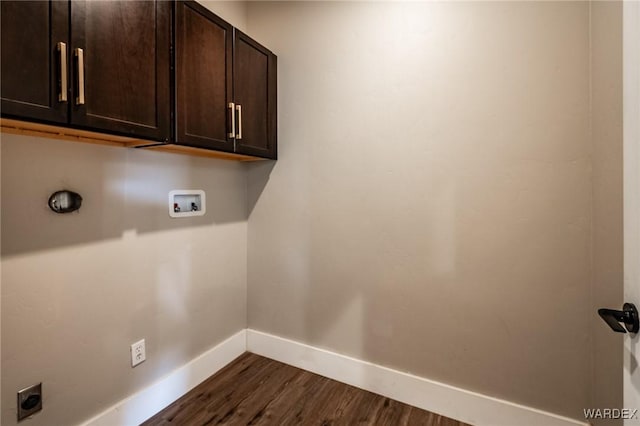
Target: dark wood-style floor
point(254, 390)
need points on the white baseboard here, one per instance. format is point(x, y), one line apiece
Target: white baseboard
point(440, 398)
point(144, 404)
point(449, 401)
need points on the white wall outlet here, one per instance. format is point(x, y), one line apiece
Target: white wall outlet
point(138, 353)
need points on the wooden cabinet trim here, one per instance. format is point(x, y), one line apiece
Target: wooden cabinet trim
point(27, 128)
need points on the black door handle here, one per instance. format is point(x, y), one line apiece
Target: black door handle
point(628, 316)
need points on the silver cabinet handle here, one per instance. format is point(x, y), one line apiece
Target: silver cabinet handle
point(62, 50)
point(232, 133)
point(239, 109)
point(79, 53)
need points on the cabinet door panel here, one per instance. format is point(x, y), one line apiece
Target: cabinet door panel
point(126, 66)
point(254, 89)
point(31, 68)
point(204, 45)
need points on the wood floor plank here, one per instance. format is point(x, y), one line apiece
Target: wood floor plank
point(316, 392)
point(288, 403)
point(343, 409)
point(229, 384)
point(396, 413)
point(207, 388)
point(250, 409)
point(222, 407)
point(371, 408)
point(257, 391)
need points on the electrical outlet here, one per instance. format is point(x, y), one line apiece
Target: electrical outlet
point(138, 353)
point(29, 401)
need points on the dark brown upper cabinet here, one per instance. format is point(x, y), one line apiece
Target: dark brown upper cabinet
point(255, 88)
point(166, 75)
point(121, 67)
point(96, 65)
point(203, 74)
point(226, 86)
point(35, 41)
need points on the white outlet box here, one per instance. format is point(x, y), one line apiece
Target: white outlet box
point(138, 353)
point(187, 203)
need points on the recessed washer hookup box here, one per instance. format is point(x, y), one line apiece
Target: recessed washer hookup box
point(187, 203)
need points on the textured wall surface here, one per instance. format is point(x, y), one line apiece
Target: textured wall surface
point(431, 207)
point(234, 11)
point(606, 113)
point(78, 289)
point(631, 207)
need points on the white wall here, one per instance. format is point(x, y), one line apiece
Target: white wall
point(78, 289)
point(607, 235)
point(233, 11)
point(631, 148)
point(431, 207)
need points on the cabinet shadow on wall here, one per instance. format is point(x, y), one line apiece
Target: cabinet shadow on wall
point(259, 173)
point(125, 191)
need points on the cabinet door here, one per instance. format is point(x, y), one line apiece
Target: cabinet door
point(203, 50)
point(32, 65)
point(121, 81)
point(255, 88)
